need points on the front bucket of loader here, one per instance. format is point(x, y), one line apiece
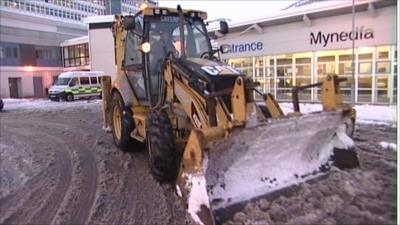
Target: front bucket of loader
point(264, 158)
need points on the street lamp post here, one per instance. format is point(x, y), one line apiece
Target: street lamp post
point(353, 85)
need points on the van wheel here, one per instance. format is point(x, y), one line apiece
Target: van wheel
point(163, 155)
point(122, 125)
point(69, 97)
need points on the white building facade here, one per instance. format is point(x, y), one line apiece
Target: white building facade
point(39, 39)
point(30, 53)
point(301, 46)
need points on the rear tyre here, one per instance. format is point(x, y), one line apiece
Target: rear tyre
point(163, 155)
point(69, 97)
point(122, 125)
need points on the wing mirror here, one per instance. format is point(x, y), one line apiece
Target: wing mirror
point(129, 23)
point(223, 27)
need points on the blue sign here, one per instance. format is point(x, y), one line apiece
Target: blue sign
point(246, 47)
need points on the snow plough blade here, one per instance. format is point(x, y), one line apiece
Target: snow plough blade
point(266, 157)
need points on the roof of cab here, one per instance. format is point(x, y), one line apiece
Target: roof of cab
point(147, 11)
point(150, 10)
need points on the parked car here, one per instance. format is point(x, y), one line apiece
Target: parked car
point(1, 104)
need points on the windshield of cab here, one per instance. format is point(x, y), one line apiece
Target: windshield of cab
point(165, 40)
point(62, 81)
point(164, 36)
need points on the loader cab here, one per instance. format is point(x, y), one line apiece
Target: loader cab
point(157, 33)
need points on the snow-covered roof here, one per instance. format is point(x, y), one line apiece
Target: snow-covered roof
point(301, 3)
point(75, 41)
point(316, 10)
point(99, 19)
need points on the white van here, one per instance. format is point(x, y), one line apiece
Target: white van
point(76, 84)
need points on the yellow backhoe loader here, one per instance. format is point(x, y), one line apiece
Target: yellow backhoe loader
point(198, 120)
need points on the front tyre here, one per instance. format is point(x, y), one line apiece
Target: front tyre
point(163, 155)
point(122, 125)
point(69, 97)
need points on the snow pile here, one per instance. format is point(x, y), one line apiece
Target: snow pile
point(386, 145)
point(197, 200)
point(375, 114)
point(298, 140)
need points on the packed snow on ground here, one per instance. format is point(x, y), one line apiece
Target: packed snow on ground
point(33, 105)
point(375, 114)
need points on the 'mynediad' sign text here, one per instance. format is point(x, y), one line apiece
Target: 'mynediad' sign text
point(324, 39)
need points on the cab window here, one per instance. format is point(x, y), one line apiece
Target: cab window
point(132, 54)
point(84, 80)
point(133, 59)
point(93, 80)
point(73, 82)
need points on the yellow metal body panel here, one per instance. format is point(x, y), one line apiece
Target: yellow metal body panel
point(331, 97)
point(140, 115)
point(273, 107)
point(238, 98)
point(106, 96)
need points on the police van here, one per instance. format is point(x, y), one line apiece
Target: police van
point(73, 85)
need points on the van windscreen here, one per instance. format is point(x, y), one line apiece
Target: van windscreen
point(62, 81)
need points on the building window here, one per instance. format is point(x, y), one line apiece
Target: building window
point(259, 76)
point(365, 68)
point(375, 71)
point(326, 65)
point(76, 55)
point(383, 67)
point(15, 52)
point(383, 55)
point(8, 52)
point(284, 77)
point(243, 64)
point(365, 79)
point(303, 74)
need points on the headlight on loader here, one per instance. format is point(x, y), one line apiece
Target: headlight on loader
point(146, 47)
